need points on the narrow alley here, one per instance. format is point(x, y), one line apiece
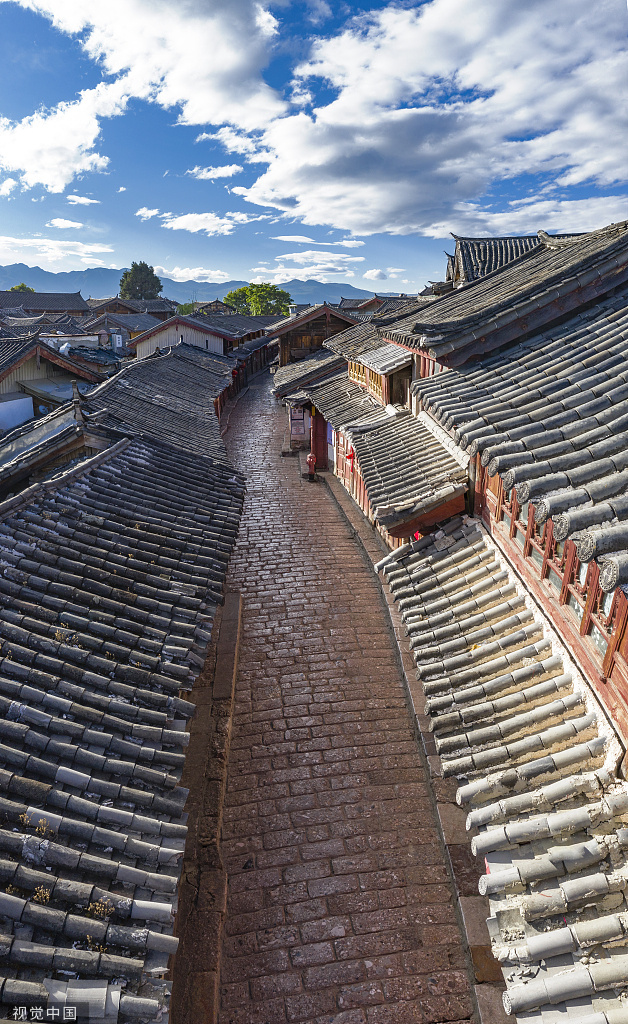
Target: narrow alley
point(340, 910)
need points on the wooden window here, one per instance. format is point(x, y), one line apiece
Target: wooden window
point(376, 384)
point(357, 372)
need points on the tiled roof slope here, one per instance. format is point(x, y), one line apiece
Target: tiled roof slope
point(158, 305)
point(341, 400)
point(304, 315)
point(33, 440)
point(169, 397)
point(353, 303)
point(550, 416)
point(14, 350)
point(366, 336)
point(62, 323)
point(129, 321)
point(406, 471)
point(295, 375)
point(544, 284)
point(110, 574)
point(477, 257)
point(535, 760)
point(235, 325)
point(47, 302)
point(386, 359)
point(352, 343)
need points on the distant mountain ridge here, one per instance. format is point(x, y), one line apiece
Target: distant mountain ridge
point(101, 282)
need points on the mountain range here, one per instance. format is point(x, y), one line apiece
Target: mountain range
point(102, 282)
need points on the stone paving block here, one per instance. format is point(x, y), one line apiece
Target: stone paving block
point(340, 909)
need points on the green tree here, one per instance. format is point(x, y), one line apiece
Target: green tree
point(256, 299)
point(21, 288)
point(239, 299)
point(140, 282)
point(185, 308)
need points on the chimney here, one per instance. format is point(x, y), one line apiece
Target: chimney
point(292, 309)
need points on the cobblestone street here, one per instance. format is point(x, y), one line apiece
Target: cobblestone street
point(340, 909)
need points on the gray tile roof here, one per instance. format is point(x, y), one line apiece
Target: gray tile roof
point(477, 257)
point(302, 315)
point(32, 441)
point(110, 574)
point(341, 400)
point(307, 371)
point(101, 356)
point(550, 416)
point(168, 397)
point(13, 350)
point(355, 341)
point(386, 359)
point(13, 311)
point(47, 302)
point(234, 325)
point(159, 305)
point(128, 321)
point(366, 336)
point(535, 761)
point(406, 471)
point(49, 323)
point(543, 284)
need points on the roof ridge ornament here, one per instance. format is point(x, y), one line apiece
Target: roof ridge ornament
point(552, 242)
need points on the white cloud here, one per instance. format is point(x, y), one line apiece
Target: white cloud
point(309, 265)
point(292, 238)
point(375, 275)
point(435, 106)
point(209, 173)
point(442, 103)
point(233, 141)
point(50, 147)
point(145, 214)
point(193, 274)
point(347, 243)
point(154, 51)
point(122, 188)
point(48, 252)
point(311, 256)
point(60, 222)
point(7, 186)
point(209, 223)
point(319, 10)
point(81, 200)
point(552, 215)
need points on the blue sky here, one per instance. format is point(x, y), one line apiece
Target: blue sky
point(271, 140)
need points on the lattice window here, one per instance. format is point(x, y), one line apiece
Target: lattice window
point(376, 384)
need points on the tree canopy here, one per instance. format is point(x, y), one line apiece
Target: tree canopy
point(21, 288)
point(140, 282)
point(185, 308)
point(257, 299)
